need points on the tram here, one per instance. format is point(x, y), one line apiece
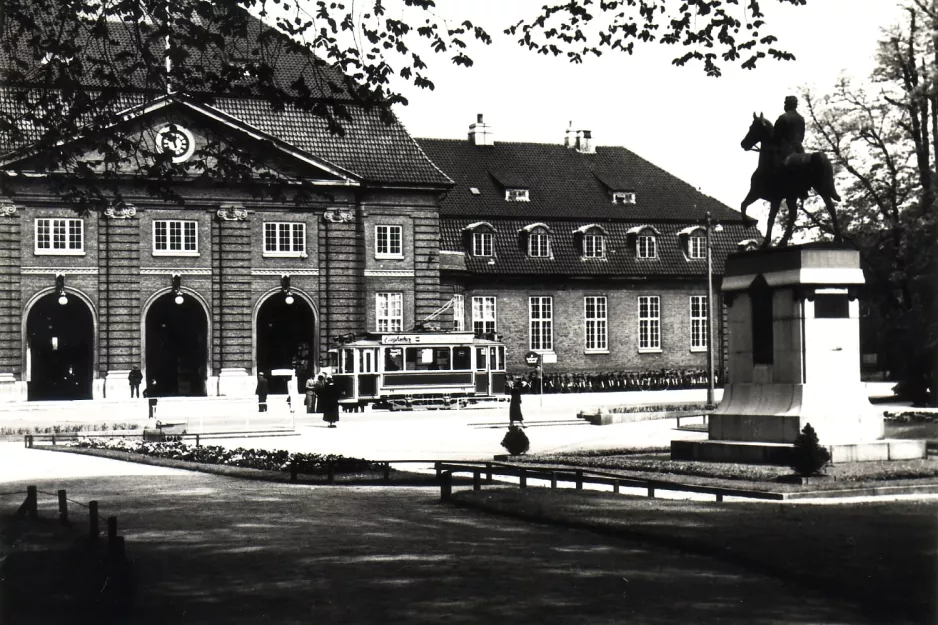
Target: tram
point(418, 369)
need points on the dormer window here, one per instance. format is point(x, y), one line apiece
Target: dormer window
point(647, 246)
point(535, 239)
point(482, 243)
point(592, 241)
point(697, 247)
point(623, 197)
point(517, 195)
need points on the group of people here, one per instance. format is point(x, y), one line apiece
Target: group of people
point(322, 395)
point(615, 381)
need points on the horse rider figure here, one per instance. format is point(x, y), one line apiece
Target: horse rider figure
point(789, 130)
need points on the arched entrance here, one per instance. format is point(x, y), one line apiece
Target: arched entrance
point(59, 349)
point(285, 339)
point(176, 347)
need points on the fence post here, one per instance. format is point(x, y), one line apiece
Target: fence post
point(63, 508)
point(523, 478)
point(446, 485)
point(111, 530)
point(615, 486)
point(719, 497)
point(53, 440)
point(579, 479)
point(31, 503)
point(93, 520)
point(488, 472)
point(293, 470)
point(197, 440)
point(476, 480)
point(387, 471)
point(436, 465)
point(26, 441)
point(331, 469)
point(553, 479)
point(651, 490)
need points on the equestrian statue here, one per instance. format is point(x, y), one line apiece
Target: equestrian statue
point(785, 172)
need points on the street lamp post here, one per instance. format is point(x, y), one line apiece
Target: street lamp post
point(710, 226)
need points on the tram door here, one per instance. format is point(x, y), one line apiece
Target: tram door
point(482, 370)
point(368, 372)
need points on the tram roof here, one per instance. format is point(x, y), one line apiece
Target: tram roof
point(395, 339)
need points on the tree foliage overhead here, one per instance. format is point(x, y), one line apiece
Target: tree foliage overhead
point(71, 69)
point(882, 137)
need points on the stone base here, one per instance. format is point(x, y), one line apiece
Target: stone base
point(751, 452)
point(236, 383)
point(11, 389)
point(117, 386)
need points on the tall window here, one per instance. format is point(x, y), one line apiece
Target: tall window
point(459, 313)
point(539, 245)
point(284, 239)
point(175, 238)
point(649, 323)
point(541, 317)
point(389, 312)
point(594, 316)
point(482, 244)
point(697, 247)
point(647, 248)
point(594, 246)
point(698, 322)
point(483, 315)
point(388, 242)
point(60, 236)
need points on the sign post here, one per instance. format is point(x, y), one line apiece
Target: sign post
point(533, 359)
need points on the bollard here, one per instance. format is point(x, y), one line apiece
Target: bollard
point(523, 478)
point(476, 480)
point(293, 470)
point(387, 471)
point(197, 440)
point(31, 503)
point(488, 472)
point(439, 471)
point(93, 520)
point(553, 479)
point(615, 486)
point(111, 528)
point(651, 491)
point(26, 441)
point(579, 479)
point(719, 497)
point(53, 439)
point(446, 485)
point(63, 508)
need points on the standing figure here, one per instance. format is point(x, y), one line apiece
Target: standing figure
point(329, 400)
point(310, 395)
point(135, 377)
point(514, 406)
point(261, 390)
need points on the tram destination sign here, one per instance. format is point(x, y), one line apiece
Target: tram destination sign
point(425, 339)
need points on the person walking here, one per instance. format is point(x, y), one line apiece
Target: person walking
point(329, 401)
point(135, 377)
point(261, 390)
point(514, 405)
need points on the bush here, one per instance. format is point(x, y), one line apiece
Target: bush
point(516, 441)
point(809, 456)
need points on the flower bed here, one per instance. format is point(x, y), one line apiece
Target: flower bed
point(72, 428)
point(267, 460)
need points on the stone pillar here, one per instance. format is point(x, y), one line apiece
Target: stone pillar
point(12, 381)
point(236, 382)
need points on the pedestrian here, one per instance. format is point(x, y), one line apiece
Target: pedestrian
point(261, 390)
point(329, 401)
point(310, 400)
point(514, 405)
point(135, 377)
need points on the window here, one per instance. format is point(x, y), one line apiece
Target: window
point(649, 323)
point(594, 246)
point(698, 322)
point(284, 239)
point(482, 244)
point(541, 317)
point(647, 248)
point(539, 245)
point(60, 236)
point(459, 313)
point(483, 315)
point(697, 247)
point(389, 312)
point(517, 195)
point(623, 197)
point(175, 238)
point(594, 315)
point(388, 242)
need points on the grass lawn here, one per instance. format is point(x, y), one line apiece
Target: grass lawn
point(918, 430)
point(884, 555)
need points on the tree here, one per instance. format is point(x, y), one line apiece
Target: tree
point(882, 139)
point(71, 69)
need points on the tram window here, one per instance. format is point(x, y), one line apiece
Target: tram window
point(366, 361)
point(394, 359)
point(427, 358)
point(500, 366)
point(462, 359)
point(348, 361)
point(481, 358)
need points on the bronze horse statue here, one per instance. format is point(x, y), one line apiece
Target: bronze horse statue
point(788, 177)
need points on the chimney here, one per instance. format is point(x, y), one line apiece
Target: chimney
point(584, 142)
point(569, 139)
point(481, 133)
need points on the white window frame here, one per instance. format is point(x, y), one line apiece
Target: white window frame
point(543, 322)
point(479, 240)
point(697, 247)
point(594, 245)
point(623, 197)
point(278, 252)
point(698, 323)
point(384, 241)
point(517, 195)
point(646, 247)
point(389, 312)
point(484, 312)
point(459, 313)
point(649, 324)
point(542, 246)
point(171, 252)
point(49, 225)
point(596, 326)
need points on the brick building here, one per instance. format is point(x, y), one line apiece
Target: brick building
point(588, 255)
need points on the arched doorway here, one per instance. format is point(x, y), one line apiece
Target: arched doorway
point(285, 335)
point(59, 348)
point(176, 347)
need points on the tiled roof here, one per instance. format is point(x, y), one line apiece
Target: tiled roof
point(511, 257)
point(564, 183)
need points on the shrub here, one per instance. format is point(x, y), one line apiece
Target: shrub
point(516, 441)
point(809, 456)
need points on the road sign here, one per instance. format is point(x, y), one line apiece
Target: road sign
point(532, 359)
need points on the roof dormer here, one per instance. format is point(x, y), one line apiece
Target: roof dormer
point(590, 240)
point(645, 241)
point(693, 242)
point(479, 239)
point(535, 240)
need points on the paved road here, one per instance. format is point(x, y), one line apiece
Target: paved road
point(210, 549)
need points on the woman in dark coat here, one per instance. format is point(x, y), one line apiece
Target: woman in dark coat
point(261, 391)
point(514, 406)
point(329, 401)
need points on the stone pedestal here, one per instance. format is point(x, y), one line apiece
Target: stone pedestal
point(117, 386)
point(794, 359)
point(236, 383)
point(11, 389)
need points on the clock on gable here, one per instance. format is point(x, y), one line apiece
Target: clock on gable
point(176, 141)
